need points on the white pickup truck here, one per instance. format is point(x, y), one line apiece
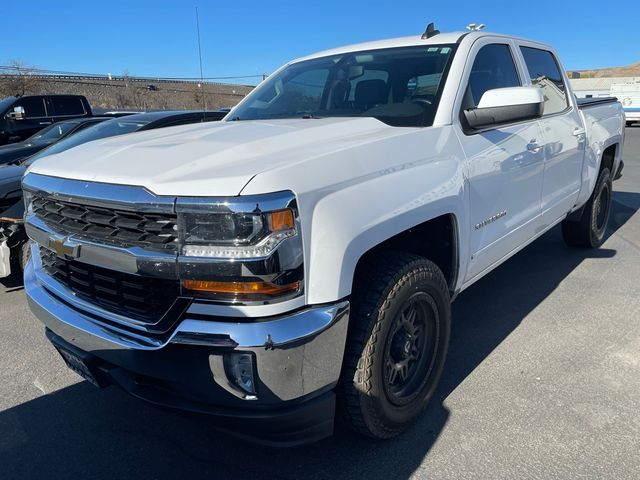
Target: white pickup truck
point(301, 256)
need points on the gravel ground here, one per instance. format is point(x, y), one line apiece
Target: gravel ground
point(542, 381)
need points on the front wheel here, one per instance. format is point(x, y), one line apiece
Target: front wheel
point(24, 254)
point(589, 230)
point(397, 345)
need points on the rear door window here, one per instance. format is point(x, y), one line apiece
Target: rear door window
point(66, 106)
point(33, 107)
point(545, 73)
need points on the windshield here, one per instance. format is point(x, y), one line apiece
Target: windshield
point(399, 86)
point(109, 128)
point(51, 134)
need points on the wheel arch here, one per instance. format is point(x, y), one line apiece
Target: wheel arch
point(600, 154)
point(608, 157)
point(436, 239)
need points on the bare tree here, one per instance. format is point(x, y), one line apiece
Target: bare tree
point(134, 95)
point(162, 99)
point(198, 95)
point(21, 79)
point(120, 98)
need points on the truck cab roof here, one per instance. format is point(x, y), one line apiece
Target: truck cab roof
point(408, 41)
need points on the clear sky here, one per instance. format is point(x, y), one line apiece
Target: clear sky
point(158, 38)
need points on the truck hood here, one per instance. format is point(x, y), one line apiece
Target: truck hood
point(211, 159)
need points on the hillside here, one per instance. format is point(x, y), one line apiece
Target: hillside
point(128, 92)
point(628, 71)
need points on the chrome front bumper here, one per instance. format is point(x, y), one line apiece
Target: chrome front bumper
point(296, 355)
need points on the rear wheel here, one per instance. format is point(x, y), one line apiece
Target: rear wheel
point(589, 230)
point(398, 337)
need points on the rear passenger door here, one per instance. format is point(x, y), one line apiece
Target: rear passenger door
point(562, 131)
point(504, 164)
point(64, 107)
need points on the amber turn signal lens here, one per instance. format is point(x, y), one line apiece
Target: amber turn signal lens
point(243, 288)
point(281, 220)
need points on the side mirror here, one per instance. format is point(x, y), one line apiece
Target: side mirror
point(506, 105)
point(17, 113)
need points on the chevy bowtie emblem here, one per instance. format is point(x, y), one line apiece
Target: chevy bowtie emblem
point(64, 247)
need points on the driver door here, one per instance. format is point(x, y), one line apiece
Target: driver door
point(504, 165)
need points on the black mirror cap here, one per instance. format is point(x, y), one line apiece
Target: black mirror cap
point(483, 118)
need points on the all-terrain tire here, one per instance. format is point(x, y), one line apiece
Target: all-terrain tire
point(24, 253)
point(387, 284)
point(589, 231)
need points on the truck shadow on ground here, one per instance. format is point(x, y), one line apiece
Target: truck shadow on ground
point(82, 432)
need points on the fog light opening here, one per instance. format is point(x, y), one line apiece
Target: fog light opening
point(239, 368)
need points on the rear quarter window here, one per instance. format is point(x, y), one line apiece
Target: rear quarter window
point(64, 106)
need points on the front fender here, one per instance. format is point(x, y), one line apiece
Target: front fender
point(362, 192)
point(348, 223)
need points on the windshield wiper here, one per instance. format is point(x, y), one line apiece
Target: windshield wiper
point(304, 115)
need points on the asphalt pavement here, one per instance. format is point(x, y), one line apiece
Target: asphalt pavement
point(542, 381)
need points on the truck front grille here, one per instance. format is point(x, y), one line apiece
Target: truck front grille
point(141, 298)
point(153, 231)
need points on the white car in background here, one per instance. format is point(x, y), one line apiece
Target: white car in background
point(629, 95)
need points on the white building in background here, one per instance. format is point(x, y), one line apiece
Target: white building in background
point(598, 87)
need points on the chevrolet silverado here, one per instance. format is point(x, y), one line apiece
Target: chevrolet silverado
point(297, 261)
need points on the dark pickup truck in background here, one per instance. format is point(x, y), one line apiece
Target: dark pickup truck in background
point(21, 117)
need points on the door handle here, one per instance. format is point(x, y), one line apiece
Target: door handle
point(534, 146)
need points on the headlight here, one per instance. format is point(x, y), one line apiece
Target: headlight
point(235, 235)
point(241, 249)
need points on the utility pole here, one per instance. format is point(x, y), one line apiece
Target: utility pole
point(201, 86)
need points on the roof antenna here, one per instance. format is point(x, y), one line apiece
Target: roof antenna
point(472, 27)
point(430, 31)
